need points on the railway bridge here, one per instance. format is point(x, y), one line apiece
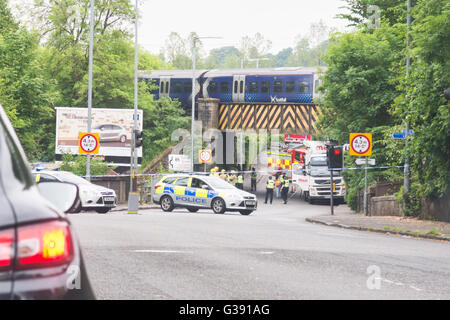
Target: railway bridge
point(285, 117)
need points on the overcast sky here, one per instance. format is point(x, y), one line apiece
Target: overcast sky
point(277, 20)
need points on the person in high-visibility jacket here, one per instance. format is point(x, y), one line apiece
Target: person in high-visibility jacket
point(223, 175)
point(232, 178)
point(270, 185)
point(285, 190)
point(216, 172)
point(280, 185)
point(240, 181)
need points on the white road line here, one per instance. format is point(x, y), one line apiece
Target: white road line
point(266, 252)
point(160, 251)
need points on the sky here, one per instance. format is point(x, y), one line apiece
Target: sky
point(279, 21)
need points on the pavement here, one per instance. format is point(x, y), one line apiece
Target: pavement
point(344, 217)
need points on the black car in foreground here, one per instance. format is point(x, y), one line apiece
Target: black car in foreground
point(40, 256)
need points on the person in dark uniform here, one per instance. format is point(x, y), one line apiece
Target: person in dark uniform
point(285, 190)
point(269, 189)
point(253, 179)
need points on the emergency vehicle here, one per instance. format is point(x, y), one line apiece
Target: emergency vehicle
point(312, 178)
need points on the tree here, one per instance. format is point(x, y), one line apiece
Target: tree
point(24, 92)
point(423, 104)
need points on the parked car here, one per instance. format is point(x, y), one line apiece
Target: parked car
point(195, 192)
point(93, 197)
point(40, 255)
point(111, 132)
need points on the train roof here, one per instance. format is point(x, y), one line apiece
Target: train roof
point(231, 72)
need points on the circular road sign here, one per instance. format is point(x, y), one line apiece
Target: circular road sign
point(360, 144)
point(88, 143)
point(205, 156)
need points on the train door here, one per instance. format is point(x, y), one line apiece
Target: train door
point(238, 88)
point(164, 87)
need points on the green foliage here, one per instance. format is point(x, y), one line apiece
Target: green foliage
point(77, 165)
point(422, 102)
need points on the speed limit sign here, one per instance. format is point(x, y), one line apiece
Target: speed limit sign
point(88, 143)
point(360, 144)
point(205, 156)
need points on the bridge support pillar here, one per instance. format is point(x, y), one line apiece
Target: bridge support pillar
point(208, 112)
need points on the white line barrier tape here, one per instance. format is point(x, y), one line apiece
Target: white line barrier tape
point(236, 172)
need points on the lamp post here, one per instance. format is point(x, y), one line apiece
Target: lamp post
point(194, 53)
point(91, 53)
point(408, 65)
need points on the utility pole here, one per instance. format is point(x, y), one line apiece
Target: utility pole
point(408, 65)
point(133, 197)
point(91, 53)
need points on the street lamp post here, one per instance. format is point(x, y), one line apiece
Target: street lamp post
point(91, 53)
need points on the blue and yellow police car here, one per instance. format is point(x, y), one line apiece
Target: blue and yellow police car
point(195, 192)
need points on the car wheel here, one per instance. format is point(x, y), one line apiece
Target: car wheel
point(167, 204)
point(218, 205)
point(123, 139)
point(192, 209)
point(102, 210)
point(245, 212)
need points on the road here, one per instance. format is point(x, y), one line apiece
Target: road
point(270, 254)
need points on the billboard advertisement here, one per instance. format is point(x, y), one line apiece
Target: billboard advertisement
point(114, 128)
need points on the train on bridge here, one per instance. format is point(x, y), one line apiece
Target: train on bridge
point(265, 85)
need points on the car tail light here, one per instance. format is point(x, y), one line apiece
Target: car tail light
point(44, 245)
point(6, 249)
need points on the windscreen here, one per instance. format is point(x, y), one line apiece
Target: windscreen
point(70, 177)
point(217, 183)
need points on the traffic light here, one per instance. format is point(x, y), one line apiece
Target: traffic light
point(138, 135)
point(335, 157)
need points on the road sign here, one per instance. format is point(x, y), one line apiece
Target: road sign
point(398, 135)
point(362, 161)
point(205, 156)
point(410, 132)
point(360, 144)
point(179, 162)
point(88, 143)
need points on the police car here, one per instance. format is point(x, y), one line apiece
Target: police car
point(195, 192)
point(92, 196)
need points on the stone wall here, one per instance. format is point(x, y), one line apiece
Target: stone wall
point(437, 209)
point(384, 206)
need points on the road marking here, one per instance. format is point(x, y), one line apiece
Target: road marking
point(266, 252)
point(160, 251)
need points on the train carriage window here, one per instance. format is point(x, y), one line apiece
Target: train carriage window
point(224, 87)
point(253, 87)
point(290, 86)
point(167, 87)
point(187, 86)
point(303, 87)
point(176, 88)
point(265, 85)
point(235, 87)
point(277, 86)
point(161, 87)
point(241, 87)
point(212, 86)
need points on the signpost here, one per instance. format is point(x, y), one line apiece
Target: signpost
point(362, 161)
point(361, 145)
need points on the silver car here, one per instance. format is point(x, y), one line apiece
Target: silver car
point(195, 192)
point(111, 132)
point(92, 196)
